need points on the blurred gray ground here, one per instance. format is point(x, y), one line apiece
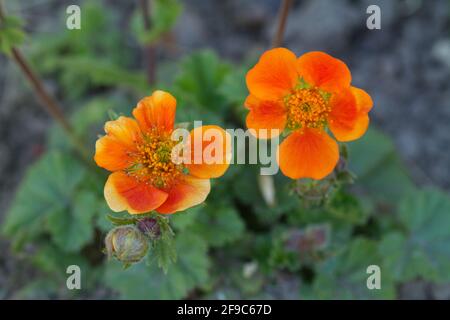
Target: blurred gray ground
point(405, 66)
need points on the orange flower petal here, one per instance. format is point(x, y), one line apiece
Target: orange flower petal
point(360, 126)
point(156, 111)
point(185, 193)
point(209, 152)
point(308, 153)
point(251, 102)
point(111, 154)
point(343, 110)
point(125, 130)
point(123, 192)
point(274, 75)
point(265, 115)
point(113, 151)
point(348, 118)
point(364, 102)
point(322, 70)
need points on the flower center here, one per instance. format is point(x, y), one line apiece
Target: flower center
point(153, 161)
point(307, 108)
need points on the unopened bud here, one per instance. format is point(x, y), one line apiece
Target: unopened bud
point(150, 227)
point(126, 243)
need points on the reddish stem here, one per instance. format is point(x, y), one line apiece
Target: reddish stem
point(282, 18)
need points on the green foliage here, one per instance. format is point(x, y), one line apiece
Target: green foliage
point(346, 207)
point(48, 197)
point(52, 259)
point(55, 210)
point(11, 34)
point(72, 229)
point(421, 248)
point(200, 78)
point(218, 225)
point(344, 276)
point(183, 220)
point(234, 88)
point(164, 248)
point(378, 168)
point(164, 14)
point(104, 73)
point(90, 58)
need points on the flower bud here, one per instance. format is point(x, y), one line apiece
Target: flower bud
point(126, 243)
point(149, 227)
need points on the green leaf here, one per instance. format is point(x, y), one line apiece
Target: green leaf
point(119, 221)
point(344, 276)
point(218, 225)
point(187, 218)
point(164, 14)
point(378, 168)
point(164, 250)
point(67, 56)
point(38, 289)
point(105, 215)
point(106, 73)
point(47, 188)
point(103, 223)
point(72, 229)
point(346, 207)
point(234, 88)
point(200, 79)
point(53, 260)
point(423, 250)
point(147, 281)
point(11, 34)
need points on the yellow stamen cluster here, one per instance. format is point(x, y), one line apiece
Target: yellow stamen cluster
point(153, 163)
point(307, 108)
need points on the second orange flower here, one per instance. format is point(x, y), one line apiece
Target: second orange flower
point(304, 97)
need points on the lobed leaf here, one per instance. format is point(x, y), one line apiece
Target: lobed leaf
point(47, 189)
point(378, 168)
point(344, 276)
point(423, 249)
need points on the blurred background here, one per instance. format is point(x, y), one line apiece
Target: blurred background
point(405, 67)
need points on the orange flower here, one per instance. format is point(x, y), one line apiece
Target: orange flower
point(138, 152)
point(305, 97)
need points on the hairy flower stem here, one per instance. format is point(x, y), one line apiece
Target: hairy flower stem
point(150, 52)
point(282, 19)
point(47, 101)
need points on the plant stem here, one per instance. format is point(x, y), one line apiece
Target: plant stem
point(47, 101)
point(282, 18)
point(149, 49)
